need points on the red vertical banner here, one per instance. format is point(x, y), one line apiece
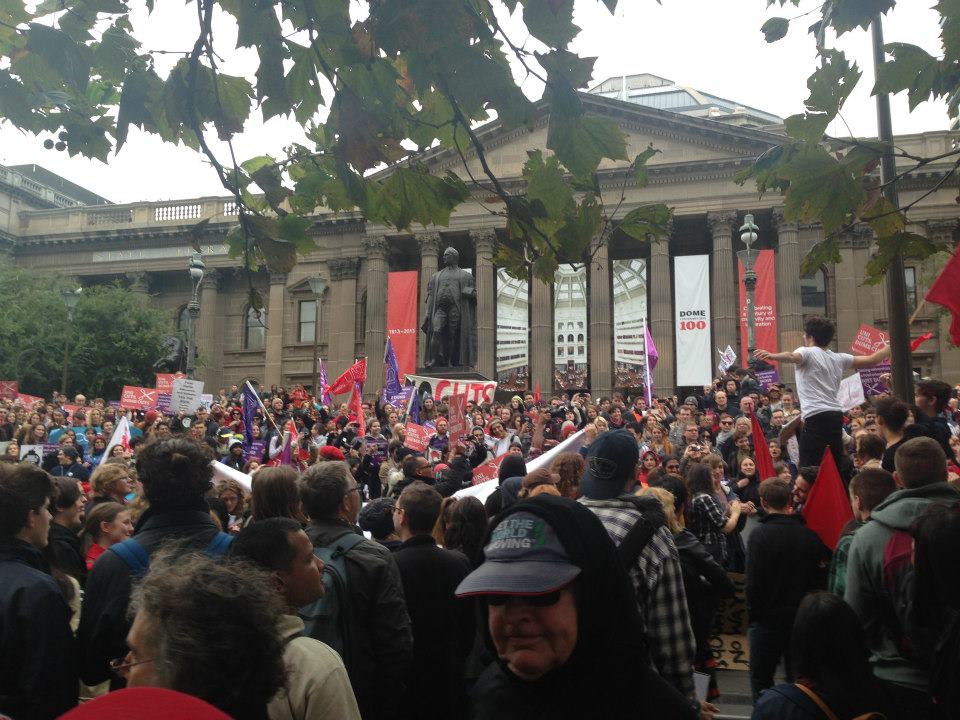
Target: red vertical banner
point(402, 319)
point(764, 305)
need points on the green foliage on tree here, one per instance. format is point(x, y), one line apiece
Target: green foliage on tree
point(835, 181)
point(114, 336)
point(412, 76)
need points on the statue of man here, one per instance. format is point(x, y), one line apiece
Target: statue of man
point(449, 325)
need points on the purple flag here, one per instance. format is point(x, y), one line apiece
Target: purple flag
point(250, 405)
point(286, 454)
point(323, 392)
point(413, 413)
point(652, 356)
point(392, 384)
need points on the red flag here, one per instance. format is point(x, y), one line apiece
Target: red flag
point(761, 451)
point(944, 292)
point(356, 373)
point(536, 393)
point(827, 509)
point(356, 408)
point(920, 341)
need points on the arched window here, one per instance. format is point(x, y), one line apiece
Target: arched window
point(813, 294)
point(254, 329)
point(182, 319)
point(580, 337)
point(559, 338)
point(570, 337)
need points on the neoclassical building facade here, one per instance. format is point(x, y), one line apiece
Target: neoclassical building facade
point(580, 331)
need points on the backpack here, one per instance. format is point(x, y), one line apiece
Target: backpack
point(138, 560)
point(328, 619)
point(912, 641)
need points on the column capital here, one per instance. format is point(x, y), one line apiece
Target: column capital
point(484, 239)
point(720, 221)
point(211, 279)
point(429, 242)
point(344, 268)
point(278, 278)
point(139, 282)
point(375, 245)
point(782, 224)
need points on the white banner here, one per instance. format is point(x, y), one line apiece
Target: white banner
point(186, 394)
point(691, 282)
point(850, 393)
point(477, 391)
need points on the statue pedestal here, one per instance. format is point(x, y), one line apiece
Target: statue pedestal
point(453, 373)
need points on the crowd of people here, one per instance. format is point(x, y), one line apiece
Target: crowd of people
point(351, 579)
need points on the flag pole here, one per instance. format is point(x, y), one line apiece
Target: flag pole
point(262, 406)
point(646, 367)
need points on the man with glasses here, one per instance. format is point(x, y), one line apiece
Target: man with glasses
point(378, 646)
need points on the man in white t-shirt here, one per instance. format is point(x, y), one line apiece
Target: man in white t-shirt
point(819, 371)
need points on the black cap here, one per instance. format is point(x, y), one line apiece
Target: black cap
point(611, 461)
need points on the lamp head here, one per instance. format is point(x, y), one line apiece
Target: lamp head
point(318, 285)
point(748, 231)
point(196, 267)
point(71, 297)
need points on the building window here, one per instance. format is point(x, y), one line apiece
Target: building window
point(307, 321)
point(910, 275)
point(183, 319)
point(255, 329)
point(559, 338)
point(813, 294)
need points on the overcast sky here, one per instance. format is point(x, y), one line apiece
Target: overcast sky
point(711, 45)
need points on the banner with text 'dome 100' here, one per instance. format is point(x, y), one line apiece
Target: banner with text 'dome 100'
point(691, 278)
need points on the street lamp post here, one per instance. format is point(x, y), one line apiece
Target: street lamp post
point(193, 312)
point(748, 235)
point(318, 286)
point(70, 299)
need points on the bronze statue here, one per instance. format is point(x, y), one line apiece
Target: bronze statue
point(449, 326)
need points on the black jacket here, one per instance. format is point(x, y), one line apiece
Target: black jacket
point(442, 628)
point(785, 561)
point(379, 623)
point(67, 552)
point(609, 673)
point(38, 680)
point(704, 583)
point(103, 617)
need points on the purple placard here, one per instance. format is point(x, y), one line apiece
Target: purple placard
point(870, 377)
point(766, 378)
point(163, 403)
point(50, 448)
point(114, 404)
point(255, 451)
point(399, 400)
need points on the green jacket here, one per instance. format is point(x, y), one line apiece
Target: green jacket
point(837, 576)
point(865, 591)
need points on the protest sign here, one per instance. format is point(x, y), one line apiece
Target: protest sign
point(164, 383)
point(416, 437)
point(476, 391)
point(163, 402)
point(185, 397)
point(766, 378)
point(485, 472)
point(851, 392)
point(206, 400)
point(457, 416)
point(728, 640)
point(138, 398)
point(9, 389)
point(868, 340)
point(870, 377)
point(255, 451)
point(31, 453)
point(28, 401)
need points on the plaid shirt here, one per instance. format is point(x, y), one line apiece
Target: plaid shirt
point(707, 521)
point(665, 617)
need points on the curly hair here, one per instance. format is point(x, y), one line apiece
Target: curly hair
point(106, 476)
point(213, 631)
point(570, 467)
point(175, 472)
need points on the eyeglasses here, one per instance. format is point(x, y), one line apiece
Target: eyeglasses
point(540, 601)
point(121, 667)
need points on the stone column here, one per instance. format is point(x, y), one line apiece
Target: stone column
point(210, 331)
point(376, 330)
point(429, 263)
point(484, 241)
point(789, 305)
point(139, 283)
point(600, 339)
point(541, 336)
point(272, 370)
point(724, 293)
point(343, 316)
point(661, 315)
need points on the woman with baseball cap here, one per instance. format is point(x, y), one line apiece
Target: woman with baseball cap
point(561, 618)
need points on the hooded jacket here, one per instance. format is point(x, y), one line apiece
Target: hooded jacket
point(865, 591)
point(609, 672)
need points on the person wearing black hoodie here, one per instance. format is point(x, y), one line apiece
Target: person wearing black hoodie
point(512, 466)
point(559, 614)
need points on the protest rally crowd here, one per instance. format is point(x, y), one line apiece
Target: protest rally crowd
point(279, 555)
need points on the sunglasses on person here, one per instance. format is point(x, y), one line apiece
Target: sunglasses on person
point(540, 601)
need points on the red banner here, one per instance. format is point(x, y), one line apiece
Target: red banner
point(416, 437)
point(764, 305)
point(868, 340)
point(138, 398)
point(402, 319)
point(9, 389)
point(165, 381)
point(485, 472)
point(28, 401)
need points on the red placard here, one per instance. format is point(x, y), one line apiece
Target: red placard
point(417, 437)
point(402, 318)
point(138, 398)
point(9, 389)
point(487, 471)
point(868, 340)
point(164, 382)
point(28, 400)
point(457, 416)
point(764, 305)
